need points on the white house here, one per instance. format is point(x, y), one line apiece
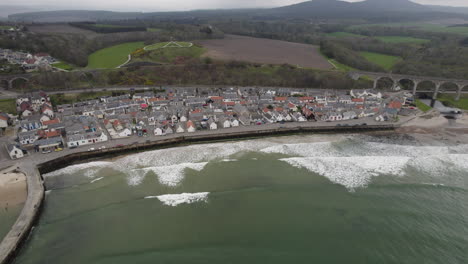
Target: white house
point(212, 124)
point(3, 121)
point(190, 127)
point(234, 123)
point(15, 151)
point(180, 128)
point(86, 139)
point(158, 131)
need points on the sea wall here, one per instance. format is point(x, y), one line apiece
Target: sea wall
point(184, 139)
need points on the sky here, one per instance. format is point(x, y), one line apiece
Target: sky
point(176, 5)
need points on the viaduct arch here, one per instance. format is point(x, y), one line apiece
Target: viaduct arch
point(462, 85)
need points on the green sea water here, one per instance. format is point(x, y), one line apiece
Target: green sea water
point(7, 218)
point(296, 202)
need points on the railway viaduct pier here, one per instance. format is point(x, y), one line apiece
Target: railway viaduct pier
point(462, 85)
point(9, 79)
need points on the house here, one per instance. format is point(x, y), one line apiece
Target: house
point(212, 124)
point(86, 139)
point(49, 144)
point(3, 121)
point(15, 151)
point(27, 138)
point(180, 128)
point(234, 122)
point(190, 126)
point(224, 122)
point(158, 130)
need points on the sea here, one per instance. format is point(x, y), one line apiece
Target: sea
point(296, 199)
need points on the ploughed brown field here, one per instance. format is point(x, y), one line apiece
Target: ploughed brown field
point(60, 29)
point(259, 50)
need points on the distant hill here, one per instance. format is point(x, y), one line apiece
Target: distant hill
point(73, 16)
point(372, 10)
point(449, 9)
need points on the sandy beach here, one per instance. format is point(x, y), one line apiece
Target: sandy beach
point(13, 190)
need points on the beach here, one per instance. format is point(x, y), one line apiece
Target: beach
point(13, 189)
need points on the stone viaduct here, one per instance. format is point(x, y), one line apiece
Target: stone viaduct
point(9, 79)
point(462, 85)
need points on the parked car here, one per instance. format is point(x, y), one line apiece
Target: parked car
point(58, 149)
point(91, 149)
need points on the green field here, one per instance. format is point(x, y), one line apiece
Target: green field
point(63, 66)
point(112, 57)
point(5, 27)
point(162, 44)
point(398, 39)
point(169, 55)
point(342, 67)
point(110, 26)
point(59, 99)
point(344, 35)
point(153, 29)
point(449, 100)
point(385, 61)
point(8, 106)
point(422, 106)
point(420, 26)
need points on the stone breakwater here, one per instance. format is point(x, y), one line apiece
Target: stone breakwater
point(19, 233)
point(11, 244)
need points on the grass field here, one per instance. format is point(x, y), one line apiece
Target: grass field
point(58, 99)
point(343, 35)
point(112, 57)
point(398, 39)
point(5, 27)
point(342, 67)
point(162, 44)
point(449, 100)
point(8, 106)
point(422, 106)
point(153, 29)
point(421, 26)
point(385, 61)
point(63, 65)
point(170, 55)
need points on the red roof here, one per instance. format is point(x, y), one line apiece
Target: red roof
point(190, 124)
point(144, 106)
point(30, 61)
point(279, 109)
point(50, 122)
point(2, 117)
point(358, 100)
point(306, 98)
point(229, 103)
point(395, 105)
point(214, 98)
point(50, 134)
point(281, 98)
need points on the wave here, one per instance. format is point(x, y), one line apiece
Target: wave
point(170, 175)
point(98, 179)
point(183, 198)
point(79, 167)
point(351, 172)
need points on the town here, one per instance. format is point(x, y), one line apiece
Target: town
point(25, 62)
point(44, 128)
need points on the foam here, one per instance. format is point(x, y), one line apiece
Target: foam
point(98, 179)
point(76, 168)
point(351, 172)
point(173, 175)
point(183, 198)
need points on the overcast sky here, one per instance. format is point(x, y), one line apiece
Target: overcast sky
point(169, 5)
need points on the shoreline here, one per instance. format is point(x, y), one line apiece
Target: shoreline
point(13, 191)
point(11, 245)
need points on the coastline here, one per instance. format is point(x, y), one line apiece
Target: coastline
point(11, 245)
point(13, 189)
